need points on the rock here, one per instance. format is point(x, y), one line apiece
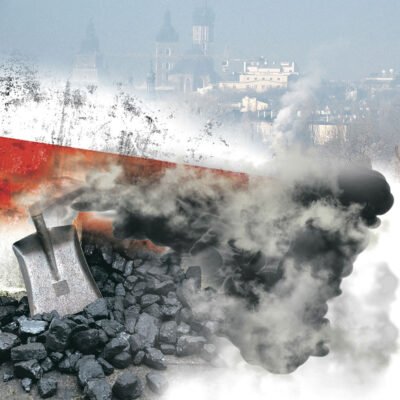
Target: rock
point(6, 314)
point(154, 310)
point(154, 359)
point(56, 357)
point(130, 282)
point(108, 288)
point(189, 345)
point(58, 335)
point(183, 329)
point(168, 332)
point(99, 274)
point(185, 315)
point(120, 290)
point(209, 352)
point(128, 268)
point(97, 310)
point(147, 328)
point(136, 343)
point(28, 352)
point(167, 349)
point(89, 369)
point(210, 328)
point(110, 327)
point(127, 387)
point(47, 365)
point(103, 338)
point(156, 382)
point(107, 367)
point(26, 384)
point(47, 387)
point(129, 300)
point(48, 317)
point(139, 357)
point(31, 327)
point(121, 360)
point(8, 301)
point(69, 363)
point(28, 369)
point(149, 299)
point(12, 327)
point(163, 288)
point(195, 274)
point(86, 341)
point(114, 347)
point(8, 375)
point(7, 342)
point(107, 253)
point(138, 289)
point(119, 263)
point(98, 389)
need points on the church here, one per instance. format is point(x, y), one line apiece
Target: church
point(193, 70)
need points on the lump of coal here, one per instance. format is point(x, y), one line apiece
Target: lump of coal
point(47, 387)
point(168, 332)
point(26, 384)
point(7, 342)
point(86, 341)
point(114, 347)
point(31, 327)
point(58, 335)
point(127, 387)
point(89, 369)
point(154, 358)
point(147, 328)
point(28, 369)
point(156, 382)
point(97, 310)
point(107, 367)
point(28, 352)
point(121, 360)
point(188, 345)
point(98, 389)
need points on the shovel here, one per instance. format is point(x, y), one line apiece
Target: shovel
point(54, 268)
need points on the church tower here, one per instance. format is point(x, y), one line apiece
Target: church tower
point(167, 51)
point(203, 30)
point(89, 62)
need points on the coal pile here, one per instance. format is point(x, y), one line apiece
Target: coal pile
point(144, 315)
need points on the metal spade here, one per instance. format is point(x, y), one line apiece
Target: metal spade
point(54, 268)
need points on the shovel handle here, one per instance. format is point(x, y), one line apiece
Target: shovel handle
point(45, 241)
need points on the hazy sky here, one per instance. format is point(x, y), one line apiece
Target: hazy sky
point(345, 38)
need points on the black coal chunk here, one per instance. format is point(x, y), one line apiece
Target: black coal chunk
point(47, 365)
point(139, 357)
point(136, 343)
point(56, 357)
point(98, 389)
point(7, 342)
point(163, 288)
point(6, 314)
point(110, 327)
point(114, 347)
point(8, 375)
point(167, 349)
point(28, 369)
point(26, 384)
point(28, 352)
point(168, 332)
point(12, 327)
point(147, 328)
point(121, 360)
point(107, 367)
point(149, 299)
point(154, 359)
point(156, 382)
point(86, 341)
point(127, 387)
point(31, 327)
point(97, 310)
point(189, 345)
point(47, 387)
point(58, 335)
point(89, 369)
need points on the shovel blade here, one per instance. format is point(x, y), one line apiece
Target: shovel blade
point(76, 287)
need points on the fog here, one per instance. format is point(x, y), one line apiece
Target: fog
point(348, 39)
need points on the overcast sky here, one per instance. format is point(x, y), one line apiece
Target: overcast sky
point(346, 39)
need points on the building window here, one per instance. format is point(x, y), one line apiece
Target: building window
point(168, 52)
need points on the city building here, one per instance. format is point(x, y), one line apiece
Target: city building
point(258, 75)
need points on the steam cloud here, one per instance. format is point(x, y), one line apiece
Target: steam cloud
point(276, 249)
